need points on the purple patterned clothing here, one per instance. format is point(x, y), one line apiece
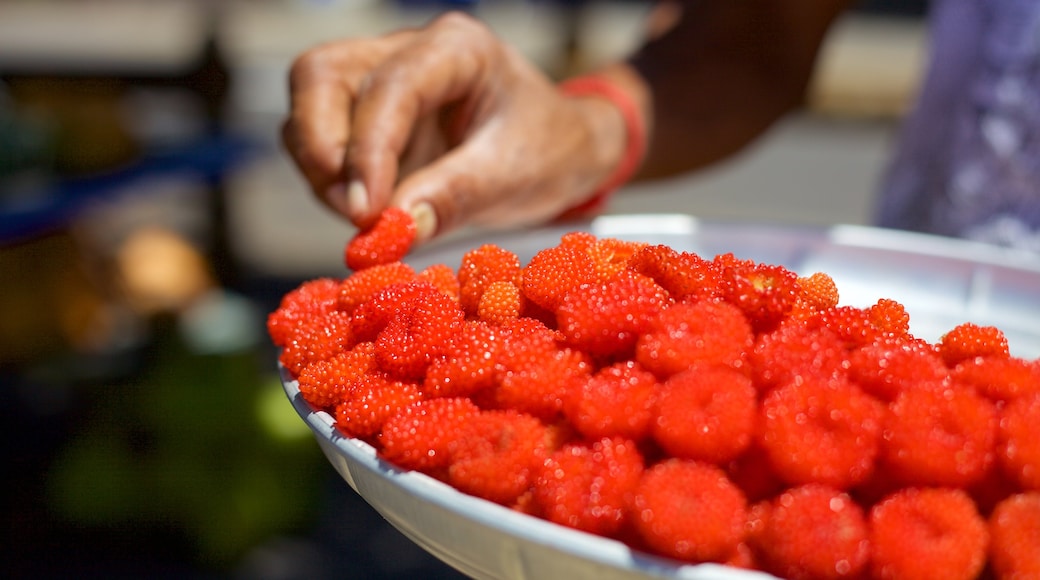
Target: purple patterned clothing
point(968, 160)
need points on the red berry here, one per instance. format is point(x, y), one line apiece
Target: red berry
point(814, 532)
point(388, 240)
point(500, 303)
point(1014, 528)
point(682, 275)
point(496, 453)
point(468, 362)
point(890, 366)
point(1019, 447)
point(553, 272)
point(969, 340)
point(617, 401)
point(315, 339)
point(589, 486)
point(325, 383)
point(690, 511)
point(707, 412)
point(311, 299)
point(419, 436)
point(821, 431)
point(362, 286)
point(795, 351)
point(999, 378)
point(940, 436)
point(687, 334)
point(371, 402)
point(605, 319)
point(482, 267)
point(927, 533)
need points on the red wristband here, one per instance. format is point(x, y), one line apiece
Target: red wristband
point(635, 145)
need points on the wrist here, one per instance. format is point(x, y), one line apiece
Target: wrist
point(619, 134)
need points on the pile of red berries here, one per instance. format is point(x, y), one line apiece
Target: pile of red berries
point(708, 410)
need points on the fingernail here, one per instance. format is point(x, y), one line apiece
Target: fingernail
point(337, 197)
point(425, 220)
point(357, 197)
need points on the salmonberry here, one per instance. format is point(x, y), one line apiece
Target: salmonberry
point(1014, 528)
point(496, 453)
point(500, 303)
point(999, 378)
point(323, 384)
point(588, 486)
point(1019, 447)
point(362, 286)
point(706, 413)
point(606, 319)
point(312, 299)
point(927, 533)
point(553, 272)
point(616, 401)
point(687, 334)
point(683, 274)
point(468, 364)
point(388, 240)
point(814, 532)
point(821, 431)
point(795, 351)
point(420, 435)
point(969, 340)
point(939, 436)
point(482, 267)
point(689, 510)
point(366, 407)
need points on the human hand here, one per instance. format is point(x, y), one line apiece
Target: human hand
point(448, 123)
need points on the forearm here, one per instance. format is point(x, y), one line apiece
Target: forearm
point(722, 74)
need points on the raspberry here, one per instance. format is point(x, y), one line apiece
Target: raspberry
point(468, 364)
point(323, 384)
point(316, 339)
point(690, 511)
point(794, 350)
point(1019, 447)
point(616, 401)
point(889, 366)
point(578, 240)
point(814, 532)
point(311, 299)
point(362, 286)
point(540, 382)
point(417, 335)
point(939, 436)
point(683, 275)
point(443, 278)
point(388, 240)
point(496, 453)
point(764, 292)
point(371, 317)
point(499, 303)
point(611, 255)
point(371, 402)
point(927, 533)
point(481, 267)
point(998, 378)
point(702, 332)
point(853, 325)
point(1014, 528)
point(419, 436)
point(606, 319)
point(890, 318)
point(969, 340)
point(588, 486)
point(817, 292)
point(821, 431)
point(706, 413)
point(553, 272)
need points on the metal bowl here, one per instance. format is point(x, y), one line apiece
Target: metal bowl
point(941, 282)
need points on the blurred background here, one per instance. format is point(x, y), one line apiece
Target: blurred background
point(149, 222)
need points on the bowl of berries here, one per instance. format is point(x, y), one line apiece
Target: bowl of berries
point(657, 396)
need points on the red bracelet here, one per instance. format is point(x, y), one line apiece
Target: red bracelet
point(635, 146)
